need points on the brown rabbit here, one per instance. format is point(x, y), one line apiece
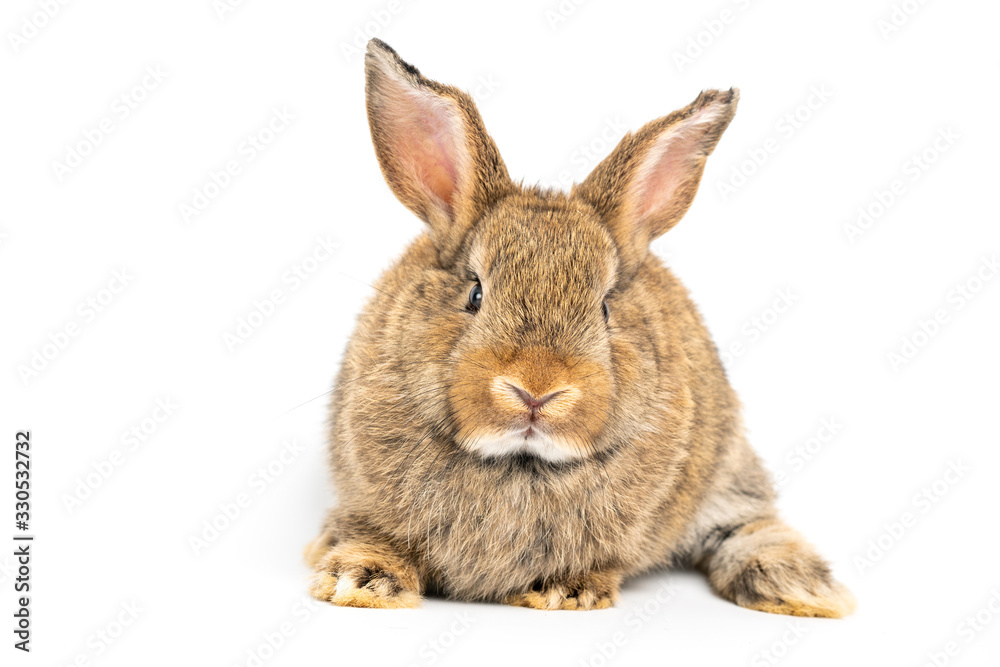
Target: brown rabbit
point(531, 409)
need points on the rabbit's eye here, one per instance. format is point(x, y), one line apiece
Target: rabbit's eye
point(476, 297)
point(605, 310)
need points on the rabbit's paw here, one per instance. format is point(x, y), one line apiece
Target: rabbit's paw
point(359, 577)
point(597, 590)
point(765, 565)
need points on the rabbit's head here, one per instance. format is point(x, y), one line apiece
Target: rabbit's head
point(538, 315)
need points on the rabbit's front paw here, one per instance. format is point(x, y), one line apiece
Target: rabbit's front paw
point(357, 577)
point(597, 590)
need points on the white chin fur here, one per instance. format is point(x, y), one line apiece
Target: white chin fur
point(538, 444)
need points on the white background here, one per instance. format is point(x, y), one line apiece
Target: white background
point(556, 91)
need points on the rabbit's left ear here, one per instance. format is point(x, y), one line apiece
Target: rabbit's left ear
point(432, 146)
point(649, 180)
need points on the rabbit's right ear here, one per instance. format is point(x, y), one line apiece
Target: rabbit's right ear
point(432, 147)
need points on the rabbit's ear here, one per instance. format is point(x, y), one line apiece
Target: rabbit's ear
point(648, 181)
point(434, 152)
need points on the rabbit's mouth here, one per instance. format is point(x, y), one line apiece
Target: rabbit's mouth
point(534, 431)
point(532, 401)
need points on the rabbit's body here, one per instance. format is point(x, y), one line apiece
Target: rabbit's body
point(516, 445)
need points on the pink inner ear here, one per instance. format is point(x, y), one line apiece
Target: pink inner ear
point(427, 136)
point(668, 166)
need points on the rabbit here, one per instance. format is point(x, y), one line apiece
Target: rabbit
point(530, 409)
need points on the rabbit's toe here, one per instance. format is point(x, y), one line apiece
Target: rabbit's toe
point(593, 591)
point(364, 582)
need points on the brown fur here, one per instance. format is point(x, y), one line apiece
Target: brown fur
point(646, 465)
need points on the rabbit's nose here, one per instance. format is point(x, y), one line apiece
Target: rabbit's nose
point(531, 401)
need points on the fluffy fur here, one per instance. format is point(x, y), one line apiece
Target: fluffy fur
point(540, 449)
